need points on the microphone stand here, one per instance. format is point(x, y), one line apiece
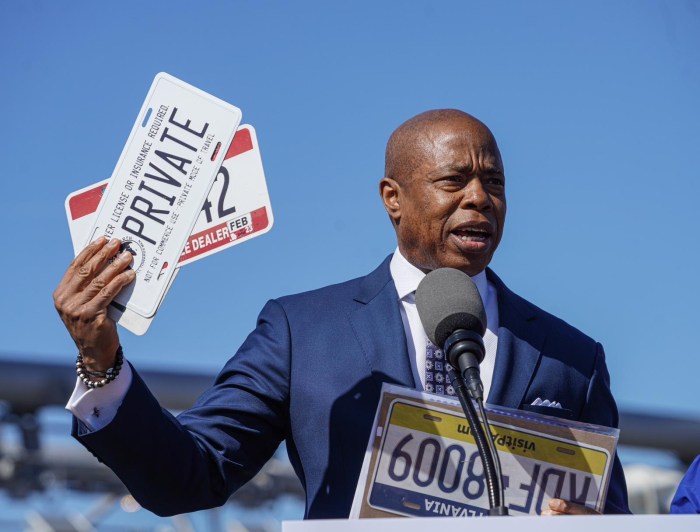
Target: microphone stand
point(484, 443)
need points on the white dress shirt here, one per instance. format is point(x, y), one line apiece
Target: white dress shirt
point(406, 278)
point(96, 407)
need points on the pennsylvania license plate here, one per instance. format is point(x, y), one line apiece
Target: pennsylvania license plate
point(429, 465)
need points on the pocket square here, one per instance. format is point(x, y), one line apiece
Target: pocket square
point(556, 411)
point(546, 402)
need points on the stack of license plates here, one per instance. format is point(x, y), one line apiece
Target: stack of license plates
point(189, 183)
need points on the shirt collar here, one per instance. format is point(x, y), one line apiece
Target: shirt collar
point(407, 277)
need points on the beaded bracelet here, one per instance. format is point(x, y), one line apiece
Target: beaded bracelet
point(105, 376)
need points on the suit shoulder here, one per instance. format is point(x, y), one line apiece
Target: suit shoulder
point(344, 294)
point(560, 329)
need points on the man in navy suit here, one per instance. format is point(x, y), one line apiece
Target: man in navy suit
point(311, 371)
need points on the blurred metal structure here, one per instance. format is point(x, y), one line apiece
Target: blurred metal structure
point(651, 489)
point(679, 435)
point(28, 466)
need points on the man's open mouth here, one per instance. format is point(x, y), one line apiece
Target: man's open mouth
point(472, 234)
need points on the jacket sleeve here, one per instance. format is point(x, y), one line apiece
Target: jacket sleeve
point(600, 408)
point(181, 464)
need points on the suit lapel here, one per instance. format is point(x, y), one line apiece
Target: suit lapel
point(378, 327)
point(520, 342)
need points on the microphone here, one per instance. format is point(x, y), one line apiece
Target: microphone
point(453, 316)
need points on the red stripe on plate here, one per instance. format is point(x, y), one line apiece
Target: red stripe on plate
point(241, 143)
point(206, 240)
point(259, 217)
point(86, 202)
point(220, 235)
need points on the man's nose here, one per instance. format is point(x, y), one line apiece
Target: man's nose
point(475, 196)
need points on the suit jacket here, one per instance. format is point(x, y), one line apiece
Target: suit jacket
point(311, 373)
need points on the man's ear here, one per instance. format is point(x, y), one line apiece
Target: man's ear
point(390, 192)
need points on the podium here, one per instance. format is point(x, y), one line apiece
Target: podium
point(604, 523)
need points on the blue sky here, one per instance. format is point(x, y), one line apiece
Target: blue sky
point(594, 105)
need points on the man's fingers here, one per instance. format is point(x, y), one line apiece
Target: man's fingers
point(81, 273)
point(64, 295)
point(106, 293)
point(563, 507)
point(85, 320)
point(82, 257)
point(559, 506)
point(95, 278)
point(89, 250)
point(86, 271)
point(106, 276)
point(86, 254)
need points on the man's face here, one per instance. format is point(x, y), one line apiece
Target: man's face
point(450, 211)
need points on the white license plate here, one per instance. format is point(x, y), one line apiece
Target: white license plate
point(160, 182)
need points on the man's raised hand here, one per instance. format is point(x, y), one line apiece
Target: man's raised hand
point(90, 283)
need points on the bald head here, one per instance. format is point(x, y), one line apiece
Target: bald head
point(444, 191)
point(412, 141)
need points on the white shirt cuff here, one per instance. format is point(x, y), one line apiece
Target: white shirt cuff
point(96, 407)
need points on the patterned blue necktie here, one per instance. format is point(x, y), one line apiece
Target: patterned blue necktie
point(436, 367)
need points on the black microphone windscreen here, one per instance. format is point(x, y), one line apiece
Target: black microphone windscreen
point(448, 300)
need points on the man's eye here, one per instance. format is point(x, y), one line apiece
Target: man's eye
point(496, 180)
